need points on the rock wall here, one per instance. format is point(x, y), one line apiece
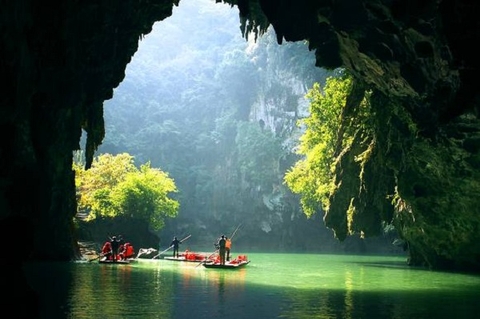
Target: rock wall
point(60, 62)
point(417, 61)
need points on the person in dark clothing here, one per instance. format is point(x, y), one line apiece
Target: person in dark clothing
point(176, 245)
point(115, 245)
point(221, 248)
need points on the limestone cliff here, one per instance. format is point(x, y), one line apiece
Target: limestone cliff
point(418, 58)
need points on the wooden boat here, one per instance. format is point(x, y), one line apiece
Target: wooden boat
point(228, 265)
point(188, 256)
point(239, 262)
point(115, 262)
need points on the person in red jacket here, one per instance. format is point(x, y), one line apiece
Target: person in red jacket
point(128, 251)
point(228, 245)
point(107, 250)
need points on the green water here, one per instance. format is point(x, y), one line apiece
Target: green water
point(271, 286)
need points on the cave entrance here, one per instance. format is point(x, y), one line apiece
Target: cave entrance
point(218, 113)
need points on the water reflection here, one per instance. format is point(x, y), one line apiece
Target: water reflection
point(280, 286)
point(349, 305)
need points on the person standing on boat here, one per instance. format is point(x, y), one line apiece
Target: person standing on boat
point(228, 245)
point(115, 245)
point(176, 245)
point(221, 249)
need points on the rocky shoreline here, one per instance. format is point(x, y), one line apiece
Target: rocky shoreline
point(88, 250)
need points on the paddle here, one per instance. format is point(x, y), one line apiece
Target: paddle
point(162, 252)
point(99, 256)
point(181, 241)
point(235, 231)
point(90, 260)
point(204, 261)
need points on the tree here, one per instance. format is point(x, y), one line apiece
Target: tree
point(114, 187)
point(144, 195)
point(329, 133)
point(259, 152)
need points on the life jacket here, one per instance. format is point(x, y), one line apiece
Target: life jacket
point(228, 244)
point(129, 251)
point(107, 248)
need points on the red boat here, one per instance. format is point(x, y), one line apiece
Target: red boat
point(189, 256)
point(239, 262)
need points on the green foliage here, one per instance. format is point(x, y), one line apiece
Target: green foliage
point(95, 184)
point(114, 187)
point(313, 177)
point(241, 77)
point(258, 154)
point(332, 131)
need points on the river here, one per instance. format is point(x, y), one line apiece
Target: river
point(292, 286)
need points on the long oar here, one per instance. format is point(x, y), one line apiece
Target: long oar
point(99, 256)
point(205, 260)
point(235, 231)
point(90, 260)
point(162, 252)
point(231, 237)
point(181, 241)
